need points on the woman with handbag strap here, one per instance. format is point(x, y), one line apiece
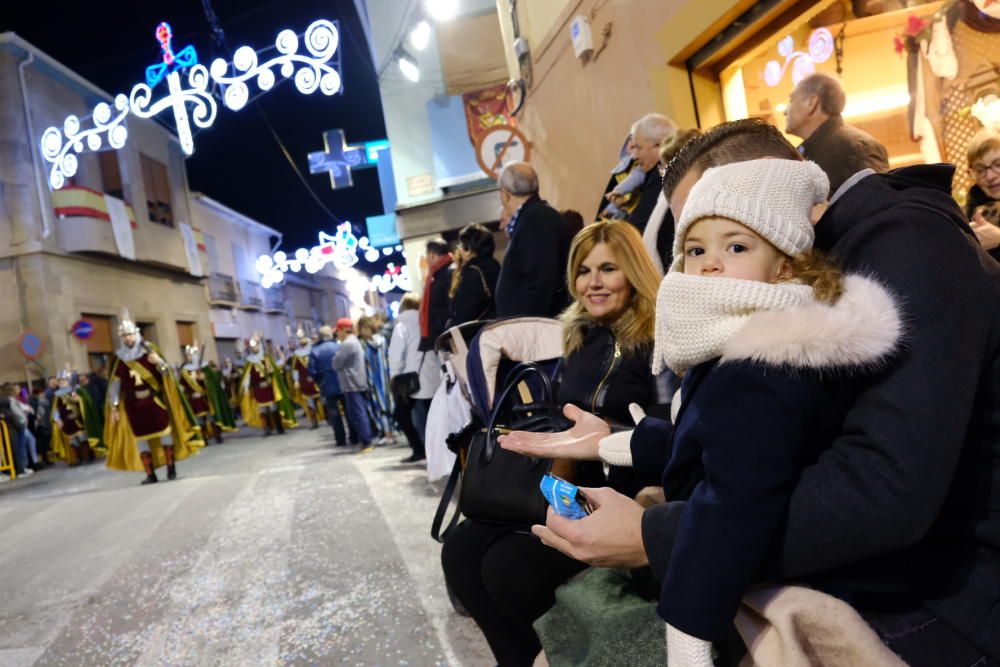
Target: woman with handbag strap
point(506, 579)
point(474, 280)
point(405, 367)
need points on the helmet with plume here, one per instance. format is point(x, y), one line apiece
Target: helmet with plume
point(126, 324)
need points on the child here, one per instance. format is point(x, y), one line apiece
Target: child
point(619, 197)
point(771, 341)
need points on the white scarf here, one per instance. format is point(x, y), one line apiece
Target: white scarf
point(697, 315)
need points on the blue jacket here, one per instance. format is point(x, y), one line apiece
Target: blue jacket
point(321, 367)
point(748, 426)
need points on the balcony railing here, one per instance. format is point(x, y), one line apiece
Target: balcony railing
point(275, 300)
point(250, 295)
point(222, 290)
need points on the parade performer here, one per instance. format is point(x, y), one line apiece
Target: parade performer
point(306, 391)
point(205, 395)
point(262, 395)
point(147, 422)
point(76, 424)
point(231, 374)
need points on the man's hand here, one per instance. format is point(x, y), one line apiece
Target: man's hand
point(987, 233)
point(610, 537)
point(579, 443)
point(155, 359)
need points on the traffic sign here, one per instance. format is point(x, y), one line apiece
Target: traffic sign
point(499, 146)
point(82, 329)
point(30, 346)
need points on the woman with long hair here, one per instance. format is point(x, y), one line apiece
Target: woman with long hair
point(507, 579)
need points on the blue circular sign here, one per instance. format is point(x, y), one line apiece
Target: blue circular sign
point(82, 329)
point(30, 345)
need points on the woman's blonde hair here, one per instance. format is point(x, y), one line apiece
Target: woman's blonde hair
point(633, 326)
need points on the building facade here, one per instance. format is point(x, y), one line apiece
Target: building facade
point(123, 232)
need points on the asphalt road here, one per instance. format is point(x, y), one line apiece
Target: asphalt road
point(265, 551)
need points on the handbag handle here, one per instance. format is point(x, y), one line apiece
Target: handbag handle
point(520, 372)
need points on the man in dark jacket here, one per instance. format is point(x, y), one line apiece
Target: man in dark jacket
point(321, 368)
point(435, 303)
point(840, 150)
point(533, 276)
point(900, 515)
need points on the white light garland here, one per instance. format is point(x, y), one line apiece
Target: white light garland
point(341, 249)
point(60, 146)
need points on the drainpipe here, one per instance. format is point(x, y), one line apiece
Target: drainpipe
point(42, 208)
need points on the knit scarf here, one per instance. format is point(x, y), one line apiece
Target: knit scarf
point(697, 315)
point(425, 302)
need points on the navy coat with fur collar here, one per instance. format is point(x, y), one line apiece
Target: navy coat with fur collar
point(748, 424)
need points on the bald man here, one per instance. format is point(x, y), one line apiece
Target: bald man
point(532, 279)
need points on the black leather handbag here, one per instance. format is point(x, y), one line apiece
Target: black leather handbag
point(406, 385)
point(499, 486)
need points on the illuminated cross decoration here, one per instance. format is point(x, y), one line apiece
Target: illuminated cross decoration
point(191, 98)
point(339, 159)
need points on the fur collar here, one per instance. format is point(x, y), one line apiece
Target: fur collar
point(860, 331)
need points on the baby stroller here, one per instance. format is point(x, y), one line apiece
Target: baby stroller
point(491, 350)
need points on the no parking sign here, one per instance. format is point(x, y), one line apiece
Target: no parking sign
point(82, 329)
point(30, 345)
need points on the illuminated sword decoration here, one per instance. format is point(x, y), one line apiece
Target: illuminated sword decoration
point(311, 71)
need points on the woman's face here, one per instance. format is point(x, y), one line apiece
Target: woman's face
point(986, 171)
point(601, 285)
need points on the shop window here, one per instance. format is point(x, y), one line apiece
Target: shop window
point(154, 176)
point(758, 75)
point(111, 174)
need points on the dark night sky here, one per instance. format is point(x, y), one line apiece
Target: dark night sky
point(236, 161)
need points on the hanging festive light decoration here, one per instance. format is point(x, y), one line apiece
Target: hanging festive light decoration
point(341, 249)
point(310, 71)
point(803, 63)
point(394, 277)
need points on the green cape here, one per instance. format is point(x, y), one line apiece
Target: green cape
point(218, 400)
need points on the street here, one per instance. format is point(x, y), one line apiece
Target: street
point(265, 551)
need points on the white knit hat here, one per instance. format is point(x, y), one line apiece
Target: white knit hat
point(772, 197)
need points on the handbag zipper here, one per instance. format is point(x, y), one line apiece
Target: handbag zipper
point(611, 368)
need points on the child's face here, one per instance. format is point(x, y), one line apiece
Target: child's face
point(725, 248)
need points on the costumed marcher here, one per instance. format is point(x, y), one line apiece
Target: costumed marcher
point(231, 374)
point(218, 397)
point(204, 394)
point(261, 389)
point(147, 422)
point(76, 425)
point(306, 391)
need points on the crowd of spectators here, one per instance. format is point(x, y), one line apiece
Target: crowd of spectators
point(885, 503)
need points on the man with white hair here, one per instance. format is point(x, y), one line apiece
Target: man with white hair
point(648, 134)
point(533, 276)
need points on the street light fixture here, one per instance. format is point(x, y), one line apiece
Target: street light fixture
point(442, 10)
point(407, 65)
point(420, 35)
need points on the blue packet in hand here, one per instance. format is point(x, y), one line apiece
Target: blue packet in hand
point(564, 497)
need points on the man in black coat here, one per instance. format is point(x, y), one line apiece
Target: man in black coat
point(533, 277)
point(901, 515)
point(840, 150)
point(435, 303)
